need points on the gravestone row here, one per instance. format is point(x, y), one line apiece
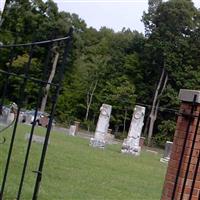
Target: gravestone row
point(131, 144)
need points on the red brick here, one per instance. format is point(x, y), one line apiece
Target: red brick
point(177, 150)
point(197, 184)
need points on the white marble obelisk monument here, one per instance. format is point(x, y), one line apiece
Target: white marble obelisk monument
point(102, 127)
point(131, 143)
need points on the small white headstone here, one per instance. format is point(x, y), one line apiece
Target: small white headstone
point(7, 117)
point(167, 152)
point(29, 119)
point(10, 118)
point(72, 130)
point(102, 127)
point(4, 116)
point(131, 143)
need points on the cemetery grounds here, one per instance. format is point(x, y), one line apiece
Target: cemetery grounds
point(74, 170)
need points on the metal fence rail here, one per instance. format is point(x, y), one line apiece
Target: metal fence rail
point(25, 78)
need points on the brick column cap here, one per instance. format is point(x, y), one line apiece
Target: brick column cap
point(188, 95)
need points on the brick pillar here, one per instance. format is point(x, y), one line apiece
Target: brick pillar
point(182, 181)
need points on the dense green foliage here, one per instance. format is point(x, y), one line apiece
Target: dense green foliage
point(120, 69)
point(74, 170)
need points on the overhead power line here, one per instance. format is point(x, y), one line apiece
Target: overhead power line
point(161, 109)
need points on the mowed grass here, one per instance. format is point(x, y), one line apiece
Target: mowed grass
point(75, 171)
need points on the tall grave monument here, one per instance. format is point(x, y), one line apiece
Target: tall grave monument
point(131, 143)
point(102, 127)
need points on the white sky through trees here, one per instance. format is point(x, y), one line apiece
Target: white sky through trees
point(114, 14)
point(2, 2)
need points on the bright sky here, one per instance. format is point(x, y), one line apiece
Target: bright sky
point(114, 14)
point(2, 2)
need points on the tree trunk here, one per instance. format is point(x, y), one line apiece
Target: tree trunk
point(46, 92)
point(89, 99)
point(125, 117)
point(156, 102)
point(146, 125)
point(163, 88)
point(116, 129)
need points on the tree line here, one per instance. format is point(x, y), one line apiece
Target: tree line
point(122, 68)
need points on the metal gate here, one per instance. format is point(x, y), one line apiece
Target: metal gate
point(25, 78)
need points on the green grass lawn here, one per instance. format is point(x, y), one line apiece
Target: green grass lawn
point(75, 171)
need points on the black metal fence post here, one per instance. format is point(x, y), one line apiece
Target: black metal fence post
point(195, 178)
point(21, 95)
point(40, 92)
point(61, 76)
point(190, 158)
point(41, 83)
point(183, 149)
